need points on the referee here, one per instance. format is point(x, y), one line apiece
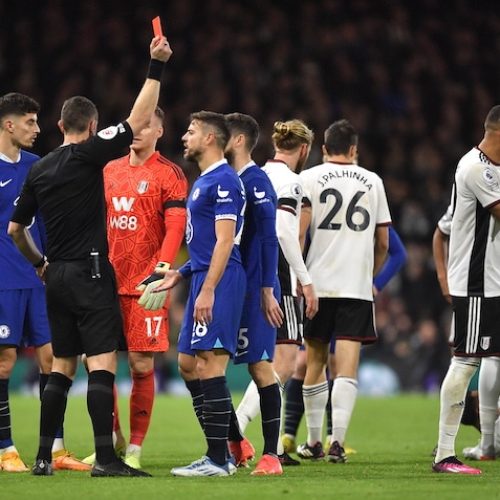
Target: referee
point(66, 186)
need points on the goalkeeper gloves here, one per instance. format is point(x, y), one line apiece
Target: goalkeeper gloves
point(149, 300)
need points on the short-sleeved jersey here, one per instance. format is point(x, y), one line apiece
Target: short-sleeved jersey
point(217, 194)
point(138, 202)
point(259, 243)
point(288, 187)
point(17, 273)
point(444, 223)
point(474, 253)
point(67, 186)
point(348, 202)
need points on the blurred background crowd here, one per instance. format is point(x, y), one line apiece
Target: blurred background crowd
point(415, 78)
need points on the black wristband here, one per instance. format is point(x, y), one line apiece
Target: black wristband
point(155, 69)
point(41, 262)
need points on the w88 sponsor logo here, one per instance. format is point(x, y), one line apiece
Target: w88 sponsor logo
point(123, 222)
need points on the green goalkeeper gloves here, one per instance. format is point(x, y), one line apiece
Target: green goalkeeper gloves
point(149, 300)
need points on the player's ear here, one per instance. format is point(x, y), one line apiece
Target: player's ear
point(60, 126)
point(92, 128)
point(160, 132)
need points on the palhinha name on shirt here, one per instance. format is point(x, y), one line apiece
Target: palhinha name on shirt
point(324, 179)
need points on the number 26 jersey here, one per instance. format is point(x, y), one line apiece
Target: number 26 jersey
point(348, 202)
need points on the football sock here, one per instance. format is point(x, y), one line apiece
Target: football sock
point(270, 408)
point(328, 409)
point(234, 429)
point(294, 406)
point(100, 406)
point(5, 430)
point(249, 406)
point(315, 397)
point(54, 399)
point(281, 387)
point(344, 394)
point(216, 416)
point(452, 397)
point(59, 440)
point(194, 387)
point(489, 390)
point(141, 405)
point(116, 411)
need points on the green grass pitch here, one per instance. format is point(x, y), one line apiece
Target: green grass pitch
point(393, 438)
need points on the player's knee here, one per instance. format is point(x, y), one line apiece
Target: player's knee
point(141, 363)
point(8, 358)
point(262, 373)
point(187, 369)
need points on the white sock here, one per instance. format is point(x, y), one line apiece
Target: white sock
point(315, 399)
point(58, 445)
point(452, 402)
point(344, 394)
point(249, 407)
point(8, 449)
point(133, 449)
point(489, 390)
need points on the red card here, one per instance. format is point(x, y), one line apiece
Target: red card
point(156, 22)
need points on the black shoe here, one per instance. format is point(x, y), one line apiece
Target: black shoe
point(311, 452)
point(42, 468)
point(117, 468)
point(336, 454)
point(286, 460)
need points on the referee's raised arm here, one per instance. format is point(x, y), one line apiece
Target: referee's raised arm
point(147, 99)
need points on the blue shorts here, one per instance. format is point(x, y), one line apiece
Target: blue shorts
point(256, 338)
point(23, 317)
point(222, 332)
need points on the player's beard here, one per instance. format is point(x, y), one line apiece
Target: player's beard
point(229, 154)
point(300, 163)
point(193, 155)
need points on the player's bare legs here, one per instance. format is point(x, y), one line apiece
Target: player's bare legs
point(344, 392)
point(8, 452)
point(315, 394)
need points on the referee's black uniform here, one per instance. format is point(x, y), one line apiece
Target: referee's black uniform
point(67, 187)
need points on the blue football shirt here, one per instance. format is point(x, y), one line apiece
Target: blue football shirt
point(16, 271)
point(259, 242)
point(217, 194)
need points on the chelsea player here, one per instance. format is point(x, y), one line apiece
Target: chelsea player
point(261, 311)
point(209, 332)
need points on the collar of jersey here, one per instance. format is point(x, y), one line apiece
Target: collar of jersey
point(6, 159)
point(277, 161)
point(489, 159)
point(151, 159)
point(215, 165)
point(247, 166)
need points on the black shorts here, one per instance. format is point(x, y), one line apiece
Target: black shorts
point(291, 331)
point(476, 326)
point(84, 313)
point(342, 319)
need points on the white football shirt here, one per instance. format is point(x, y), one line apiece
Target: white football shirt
point(288, 187)
point(474, 254)
point(348, 202)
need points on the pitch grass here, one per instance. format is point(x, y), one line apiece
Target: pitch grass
point(393, 438)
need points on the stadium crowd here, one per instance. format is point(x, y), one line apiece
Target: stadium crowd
point(415, 78)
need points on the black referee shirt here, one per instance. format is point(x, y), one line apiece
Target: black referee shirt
point(67, 187)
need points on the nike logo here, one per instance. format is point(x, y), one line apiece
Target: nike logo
point(4, 183)
point(258, 194)
point(194, 341)
point(240, 353)
point(222, 194)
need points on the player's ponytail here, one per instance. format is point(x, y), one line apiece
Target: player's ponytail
point(291, 134)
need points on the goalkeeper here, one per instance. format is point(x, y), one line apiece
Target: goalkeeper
point(146, 217)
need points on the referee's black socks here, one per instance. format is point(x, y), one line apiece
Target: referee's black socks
point(100, 405)
point(54, 398)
